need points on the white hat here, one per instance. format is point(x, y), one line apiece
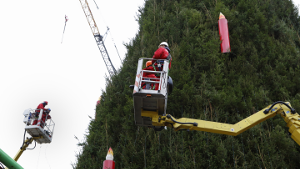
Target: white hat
point(164, 43)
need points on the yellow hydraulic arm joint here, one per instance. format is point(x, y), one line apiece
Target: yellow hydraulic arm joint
point(283, 108)
point(24, 146)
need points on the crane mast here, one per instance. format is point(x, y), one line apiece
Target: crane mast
point(99, 39)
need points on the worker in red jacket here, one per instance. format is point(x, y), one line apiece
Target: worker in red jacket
point(45, 117)
point(149, 76)
point(163, 52)
point(41, 106)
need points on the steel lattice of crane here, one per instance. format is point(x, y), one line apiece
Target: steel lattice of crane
point(99, 39)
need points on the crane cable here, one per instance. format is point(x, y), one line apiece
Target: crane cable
point(115, 46)
point(39, 157)
point(46, 157)
point(108, 30)
point(96, 4)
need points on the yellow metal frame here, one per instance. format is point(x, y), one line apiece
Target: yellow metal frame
point(24, 146)
point(292, 120)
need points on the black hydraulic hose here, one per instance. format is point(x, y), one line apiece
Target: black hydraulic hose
point(170, 117)
point(33, 147)
point(23, 139)
point(292, 110)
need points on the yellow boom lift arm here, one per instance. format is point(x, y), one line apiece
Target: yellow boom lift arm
point(150, 107)
point(283, 108)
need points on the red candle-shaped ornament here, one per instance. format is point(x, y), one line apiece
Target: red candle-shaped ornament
point(109, 162)
point(224, 34)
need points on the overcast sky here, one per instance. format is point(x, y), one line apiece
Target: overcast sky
point(35, 67)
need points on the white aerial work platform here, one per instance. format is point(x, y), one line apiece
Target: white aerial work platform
point(147, 99)
point(41, 129)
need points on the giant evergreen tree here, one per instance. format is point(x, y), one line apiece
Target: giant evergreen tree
point(262, 68)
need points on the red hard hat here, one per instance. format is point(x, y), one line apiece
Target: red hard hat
point(46, 102)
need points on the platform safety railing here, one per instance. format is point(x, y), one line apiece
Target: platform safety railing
point(160, 80)
point(34, 120)
point(49, 126)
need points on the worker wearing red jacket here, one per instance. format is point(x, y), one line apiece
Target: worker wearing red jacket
point(41, 106)
point(163, 52)
point(149, 76)
point(45, 117)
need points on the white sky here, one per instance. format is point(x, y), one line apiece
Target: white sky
point(35, 66)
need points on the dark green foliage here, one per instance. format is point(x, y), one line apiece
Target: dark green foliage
point(262, 68)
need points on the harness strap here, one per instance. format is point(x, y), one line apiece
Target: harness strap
point(143, 85)
point(169, 57)
point(157, 74)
